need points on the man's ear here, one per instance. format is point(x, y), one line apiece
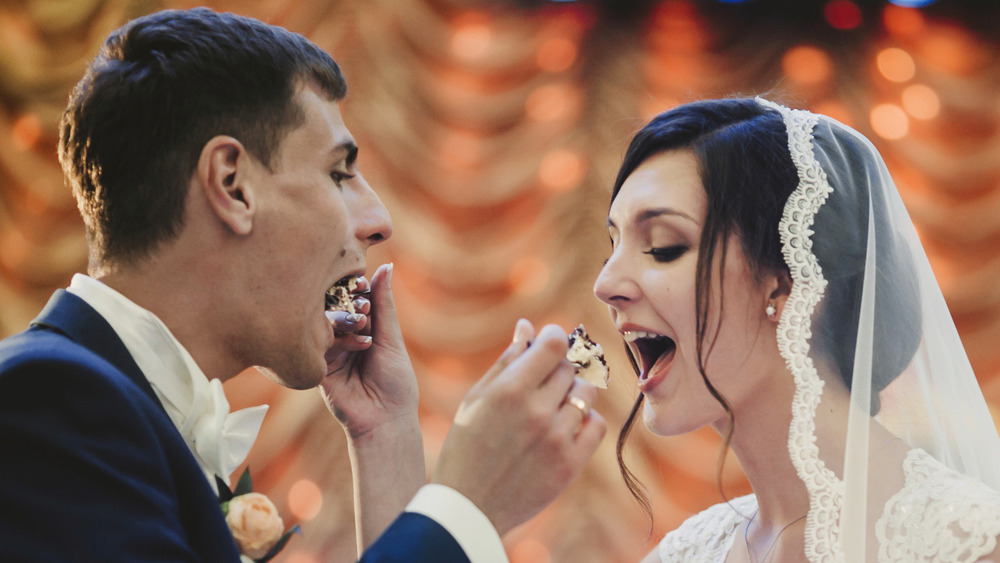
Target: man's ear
point(224, 168)
point(779, 285)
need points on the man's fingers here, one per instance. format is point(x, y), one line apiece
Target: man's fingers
point(590, 434)
point(533, 367)
point(576, 406)
point(523, 333)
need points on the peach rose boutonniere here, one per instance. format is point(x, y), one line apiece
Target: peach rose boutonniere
point(254, 521)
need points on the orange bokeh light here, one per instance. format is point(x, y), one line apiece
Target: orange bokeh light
point(955, 50)
point(889, 121)
point(26, 131)
point(305, 499)
point(834, 109)
point(529, 276)
point(551, 102)
point(556, 54)
point(472, 36)
point(896, 64)
point(561, 170)
point(807, 65)
point(902, 21)
point(921, 101)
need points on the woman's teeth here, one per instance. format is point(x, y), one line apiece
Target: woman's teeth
point(633, 335)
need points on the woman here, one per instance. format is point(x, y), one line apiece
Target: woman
point(768, 282)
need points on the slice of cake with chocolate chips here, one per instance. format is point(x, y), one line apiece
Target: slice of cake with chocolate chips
point(340, 297)
point(588, 357)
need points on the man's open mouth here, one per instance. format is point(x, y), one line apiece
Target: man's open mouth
point(340, 296)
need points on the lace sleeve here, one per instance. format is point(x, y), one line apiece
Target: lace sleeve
point(707, 536)
point(939, 515)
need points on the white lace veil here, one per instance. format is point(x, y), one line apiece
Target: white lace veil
point(865, 308)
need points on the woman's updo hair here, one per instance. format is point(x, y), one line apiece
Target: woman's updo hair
point(843, 259)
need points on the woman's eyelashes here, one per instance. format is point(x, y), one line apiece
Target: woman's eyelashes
point(340, 177)
point(667, 253)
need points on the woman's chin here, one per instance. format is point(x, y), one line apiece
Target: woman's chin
point(671, 419)
point(657, 422)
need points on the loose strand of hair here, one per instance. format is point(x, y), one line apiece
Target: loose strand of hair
point(633, 483)
point(702, 301)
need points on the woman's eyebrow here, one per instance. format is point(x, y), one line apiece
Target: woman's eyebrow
point(652, 213)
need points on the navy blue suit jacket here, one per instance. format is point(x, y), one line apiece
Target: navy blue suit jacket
point(92, 468)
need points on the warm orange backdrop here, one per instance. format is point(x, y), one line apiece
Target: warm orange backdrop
point(493, 133)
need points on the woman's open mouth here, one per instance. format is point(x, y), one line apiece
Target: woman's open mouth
point(650, 349)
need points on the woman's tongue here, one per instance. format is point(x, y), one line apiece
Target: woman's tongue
point(658, 358)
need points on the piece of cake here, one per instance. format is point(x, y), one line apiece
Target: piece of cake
point(340, 297)
point(588, 357)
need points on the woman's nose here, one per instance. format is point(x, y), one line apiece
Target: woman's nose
point(613, 286)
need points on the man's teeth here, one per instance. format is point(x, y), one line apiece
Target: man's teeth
point(633, 335)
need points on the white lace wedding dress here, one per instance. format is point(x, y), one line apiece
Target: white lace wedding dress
point(938, 516)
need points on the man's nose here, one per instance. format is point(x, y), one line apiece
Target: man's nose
point(371, 219)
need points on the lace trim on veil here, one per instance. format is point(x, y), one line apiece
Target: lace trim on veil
point(826, 491)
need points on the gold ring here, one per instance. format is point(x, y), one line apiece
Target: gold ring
point(580, 405)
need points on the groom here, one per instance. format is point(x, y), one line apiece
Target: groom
point(219, 187)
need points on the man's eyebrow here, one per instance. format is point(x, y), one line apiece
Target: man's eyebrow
point(655, 212)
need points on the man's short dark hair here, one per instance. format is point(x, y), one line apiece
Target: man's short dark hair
point(160, 88)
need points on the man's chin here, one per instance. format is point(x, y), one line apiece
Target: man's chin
point(301, 382)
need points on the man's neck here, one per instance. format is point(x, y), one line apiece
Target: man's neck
point(186, 306)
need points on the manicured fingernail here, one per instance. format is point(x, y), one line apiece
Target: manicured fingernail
point(388, 275)
point(521, 330)
point(354, 318)
point(362, 339)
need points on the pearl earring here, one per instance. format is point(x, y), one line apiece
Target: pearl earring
point(770, 310)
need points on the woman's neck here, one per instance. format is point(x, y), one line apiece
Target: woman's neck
point(760, 442)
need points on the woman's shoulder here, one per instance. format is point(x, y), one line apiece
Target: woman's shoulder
point(928, 481)
point(941, 508)
point(708, 535)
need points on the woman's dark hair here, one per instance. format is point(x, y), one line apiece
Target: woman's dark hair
point(158, 90)
point(742, 151)
point(748, 174)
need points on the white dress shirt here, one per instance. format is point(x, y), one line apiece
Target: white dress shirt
point(220, 440)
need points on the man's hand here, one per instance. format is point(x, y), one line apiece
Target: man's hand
point(517, 440)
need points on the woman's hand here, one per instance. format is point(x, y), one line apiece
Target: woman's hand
point(370, 380)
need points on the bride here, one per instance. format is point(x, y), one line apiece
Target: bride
point(768, 282)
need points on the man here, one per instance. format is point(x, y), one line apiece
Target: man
point(218, 185)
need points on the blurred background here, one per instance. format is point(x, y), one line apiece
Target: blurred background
point(492, 131)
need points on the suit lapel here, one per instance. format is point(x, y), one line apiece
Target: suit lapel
point(73, 317)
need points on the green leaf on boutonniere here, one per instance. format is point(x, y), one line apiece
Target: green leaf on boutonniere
point(225, 495)
point(244, 485)
point(281, 544)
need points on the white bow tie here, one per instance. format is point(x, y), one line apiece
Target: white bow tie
point(219, 439)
